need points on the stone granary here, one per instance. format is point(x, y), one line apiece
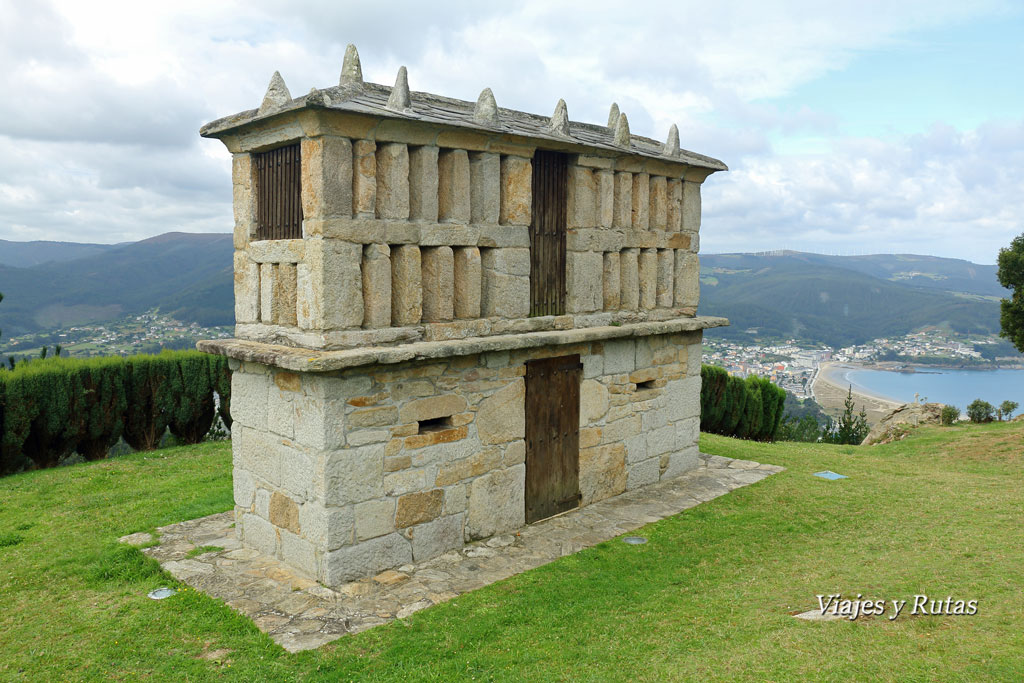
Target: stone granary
point(451, 319)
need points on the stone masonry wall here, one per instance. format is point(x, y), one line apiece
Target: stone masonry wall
point(422, 242)
point(346, 474)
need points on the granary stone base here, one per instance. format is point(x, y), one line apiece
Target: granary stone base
point(347, 473)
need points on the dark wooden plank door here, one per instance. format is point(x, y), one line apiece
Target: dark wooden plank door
point(279, 193)
point(552, 436)
point(547, 234)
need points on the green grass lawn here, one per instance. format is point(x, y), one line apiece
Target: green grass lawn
point(709, 597)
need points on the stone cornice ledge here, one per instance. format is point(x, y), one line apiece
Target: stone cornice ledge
point(310, 360)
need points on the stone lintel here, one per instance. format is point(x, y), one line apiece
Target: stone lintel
point(308, 360)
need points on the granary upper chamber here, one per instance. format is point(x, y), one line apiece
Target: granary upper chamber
point(373, 222)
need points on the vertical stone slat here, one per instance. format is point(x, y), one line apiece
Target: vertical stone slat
point(247, 289)
point(392, 174)
point(612, 285)
point(285, 294)
point(423, 183)
point(629, 276)
point(468, 284)
point(605, 198)
point(484, 187)
point(641, 201)
point(687, 279)
point(666, 269)
point(623, 202)
point(364, 179)
point(674, 213)
point(648, 272)
point(268, 305)
point(438, 284)
point(582, 197)
point(376, 286)
point(691, 206)
point(326, 177)
point(659, 203)
point(243, 183)
point(406, 285)
point(453, 186)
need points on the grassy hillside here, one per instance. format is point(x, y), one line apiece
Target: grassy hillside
point(28, 254)
point(795, 297)
point(709, 597)
point(184, 274)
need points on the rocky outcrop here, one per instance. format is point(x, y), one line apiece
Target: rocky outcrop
point(894, 425)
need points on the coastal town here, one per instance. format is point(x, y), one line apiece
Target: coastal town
point(794, 366)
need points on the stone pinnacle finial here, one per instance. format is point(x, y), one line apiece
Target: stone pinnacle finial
point(486, 108)
point(351, 69)
point(672, 144)
point(277, 94)
point(560, 119)
point(399, 100)
point(622, 131)
point(613, 115)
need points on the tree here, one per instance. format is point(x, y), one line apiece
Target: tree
point(1006, 409)
point(850, 428)
point(949, 414)
point(980, 411)
point(1011, 276)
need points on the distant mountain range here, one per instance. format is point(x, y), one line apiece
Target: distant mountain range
point(842, 300)
point(186, 275)
point(836, 300)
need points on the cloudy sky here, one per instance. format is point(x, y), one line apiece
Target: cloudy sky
point(849, 127)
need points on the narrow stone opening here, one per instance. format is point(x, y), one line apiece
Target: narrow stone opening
point(435, 424)
point(644, 386)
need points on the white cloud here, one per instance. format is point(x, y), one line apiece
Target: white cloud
point(103, 101)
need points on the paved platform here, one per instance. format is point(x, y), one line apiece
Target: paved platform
point(300, 614)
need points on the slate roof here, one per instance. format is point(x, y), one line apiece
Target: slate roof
point(372, 99)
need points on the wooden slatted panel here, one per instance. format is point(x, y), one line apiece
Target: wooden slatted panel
point(279, 194)
point(552, 436)
point(547, 234)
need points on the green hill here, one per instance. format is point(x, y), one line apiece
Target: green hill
point(832, 300)
point(186, 275)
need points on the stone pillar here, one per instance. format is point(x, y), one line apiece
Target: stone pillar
point(453, 186)
point(247, 289)
point(392, 181)
point(641, 201)
point(506, 282)
point(584, 291)
point(666, 269)
point(423, 183)
point(648, 278)
point(242, 184)
point(629, 274)
point(438, 284)
point(330, 286)
point(623, 202)
point(484, 187)
point(516, 191)
point(687, 280)
point(691, 206)
point(582, 197)
point(326, 177)
point(605, 198)
point(675, 205)
point(376, 285)
point(612, 284)
point(467, 282)
point(659, 203)
point(406, 285)
point(364, 179)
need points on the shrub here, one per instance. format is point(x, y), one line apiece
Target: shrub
point(749, 409)
point(949, 414)
point(980, 411)
point(850, 428)
point(1006, 409)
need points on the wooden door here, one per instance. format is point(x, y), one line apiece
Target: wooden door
point(547, 234)
point(552, 436)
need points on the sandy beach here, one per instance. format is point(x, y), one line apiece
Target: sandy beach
point(830, 391)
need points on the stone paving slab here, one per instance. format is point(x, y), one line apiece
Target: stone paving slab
point(300, 614)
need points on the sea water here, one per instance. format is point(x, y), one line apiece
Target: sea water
point(938, 385)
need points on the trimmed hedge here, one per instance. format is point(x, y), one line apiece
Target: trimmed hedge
point(748, 409)
point(51, 408)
